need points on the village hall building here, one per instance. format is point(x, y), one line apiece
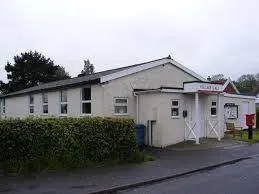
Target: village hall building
point(172, 101)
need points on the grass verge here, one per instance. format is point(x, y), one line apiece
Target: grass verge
point(245, 137)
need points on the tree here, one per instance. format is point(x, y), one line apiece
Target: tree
point(257, 77)
point(30, 69)
point(247, 83)
point(88, 68)
point(61, 73)
point(218, 77)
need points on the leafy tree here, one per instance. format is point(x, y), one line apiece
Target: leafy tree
point(218, 77)
point(88, 68)
point(257, 77)
point(247, 83)
point(61, 73)
point(30, 69)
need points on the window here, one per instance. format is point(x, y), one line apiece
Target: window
point(3, 105)
point(213, 109)
point(63, 102)
point(45, 98)
point(175, 109)
point(45, 103)
point(31, 104)
point(86, 100)
point(121, 106)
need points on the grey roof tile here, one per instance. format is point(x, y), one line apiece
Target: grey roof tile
point(73, 81)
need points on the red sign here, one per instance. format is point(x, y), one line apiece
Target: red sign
point(250, 120)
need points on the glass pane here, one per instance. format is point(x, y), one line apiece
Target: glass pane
point(31, 109)
point(3, 101)
point(31, 99)
point(121, 109)
point(86, 94)
point(63, 96)
point(121, 100)
point(174, 112)
point(213, 103)
point(174, 103)
point(63, 108)
point(86, 108)
point(213, 111)
point(45, 109)
point(45, 98)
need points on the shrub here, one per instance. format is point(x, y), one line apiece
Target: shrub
point(36, 144)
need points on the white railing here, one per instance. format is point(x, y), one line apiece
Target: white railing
point(213, 127)
point(189, 130)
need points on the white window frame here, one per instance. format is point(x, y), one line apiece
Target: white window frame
point(31, 104)
point(45, 103)
point(213, 106)
point(85, 101)
point(121, 104)
point(175, 106)
point(63, 103)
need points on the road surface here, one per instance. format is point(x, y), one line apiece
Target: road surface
point(242, 177)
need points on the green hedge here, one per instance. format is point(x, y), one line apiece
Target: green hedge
point(36, 144)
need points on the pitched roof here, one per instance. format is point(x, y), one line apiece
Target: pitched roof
point(229, 81)
point(96, 77)
point(225, 83)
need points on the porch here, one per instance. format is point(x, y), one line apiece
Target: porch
point(198, 110)
point(204, 116)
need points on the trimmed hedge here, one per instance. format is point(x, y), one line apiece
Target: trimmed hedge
point(36, 144)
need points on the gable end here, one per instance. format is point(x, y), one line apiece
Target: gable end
point(148, 66)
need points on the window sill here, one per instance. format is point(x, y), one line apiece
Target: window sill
point(86, 115)
point(213, 115)
point(121, 114)
point(175, 117)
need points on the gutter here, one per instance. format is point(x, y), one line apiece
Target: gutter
point(239, 96)
point(147, 91)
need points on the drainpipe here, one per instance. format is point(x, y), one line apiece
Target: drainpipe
point(137, 107)
point(219, 109)
point(197, 118)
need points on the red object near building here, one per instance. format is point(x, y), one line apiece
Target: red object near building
point(250, 120)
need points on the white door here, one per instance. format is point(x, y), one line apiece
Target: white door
point(191, 128)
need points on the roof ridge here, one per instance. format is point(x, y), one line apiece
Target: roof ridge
point(137, 64)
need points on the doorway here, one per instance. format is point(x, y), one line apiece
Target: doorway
point(192, 128)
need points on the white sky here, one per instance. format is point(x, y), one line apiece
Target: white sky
point(209, 37)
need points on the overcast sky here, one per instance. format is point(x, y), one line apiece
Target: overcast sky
point(208, 37)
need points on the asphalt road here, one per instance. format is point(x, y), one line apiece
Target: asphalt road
point(242, 177)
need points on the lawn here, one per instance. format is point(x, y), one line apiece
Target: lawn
point(245, 137)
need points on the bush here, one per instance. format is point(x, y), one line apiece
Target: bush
point(36, 144)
